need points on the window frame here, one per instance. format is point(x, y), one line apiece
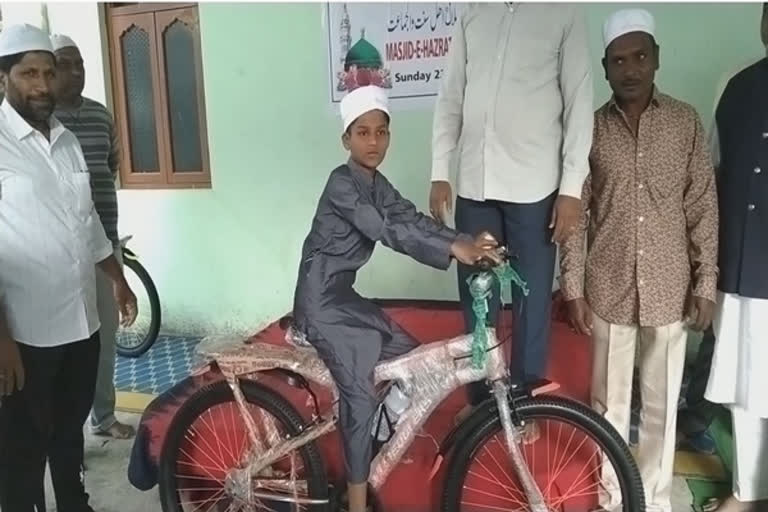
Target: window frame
point(155, 19)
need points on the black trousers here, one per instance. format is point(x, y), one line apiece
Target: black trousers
point(44, 421)
point(524, 229)
point(699, 412)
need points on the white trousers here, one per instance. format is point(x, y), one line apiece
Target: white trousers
point(661, 352)
point(750, 450)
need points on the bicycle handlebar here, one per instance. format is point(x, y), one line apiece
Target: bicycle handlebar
point(486, 264)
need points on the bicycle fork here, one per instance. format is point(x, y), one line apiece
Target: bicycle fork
point(512, 439)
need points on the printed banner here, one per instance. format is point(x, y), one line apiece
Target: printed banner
point(401, 47)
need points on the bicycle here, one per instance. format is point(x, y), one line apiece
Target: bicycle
point(278, 463)
point(139, 337)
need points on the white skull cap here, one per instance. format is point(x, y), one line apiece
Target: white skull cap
point(23, 38)
point(362, 100)
point(626, 21)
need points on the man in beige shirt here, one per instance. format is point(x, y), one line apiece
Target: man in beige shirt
point(515, 114)
point(650, 219)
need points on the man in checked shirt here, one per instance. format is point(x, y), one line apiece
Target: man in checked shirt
point(650, 216)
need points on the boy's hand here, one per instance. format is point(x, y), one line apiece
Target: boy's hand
point(470, 253)
point(485, 240)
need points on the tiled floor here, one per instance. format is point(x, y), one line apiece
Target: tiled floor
point(169, 360)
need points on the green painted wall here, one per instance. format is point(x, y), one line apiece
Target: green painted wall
point(226, 258)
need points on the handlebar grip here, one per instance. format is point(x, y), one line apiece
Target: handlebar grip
point(486, 264)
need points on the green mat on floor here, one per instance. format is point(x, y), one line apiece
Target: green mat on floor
point(704, 489)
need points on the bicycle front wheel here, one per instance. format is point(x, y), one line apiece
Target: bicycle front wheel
point(578, 460)
point(135, 340)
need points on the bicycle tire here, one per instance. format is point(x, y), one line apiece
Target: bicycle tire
point(553, 407)
point(219, 393)
point(137, 268)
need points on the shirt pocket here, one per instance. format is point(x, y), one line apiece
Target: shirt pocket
point(82, 203)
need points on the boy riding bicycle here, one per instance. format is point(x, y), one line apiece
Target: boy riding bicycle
point(358, 208)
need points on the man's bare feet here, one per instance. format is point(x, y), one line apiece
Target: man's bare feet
point(118, 431)
point(731, 504)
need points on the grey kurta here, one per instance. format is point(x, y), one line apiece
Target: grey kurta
point(351, 334)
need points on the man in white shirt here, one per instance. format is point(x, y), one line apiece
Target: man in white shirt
point(50, 243)
point(515, 114)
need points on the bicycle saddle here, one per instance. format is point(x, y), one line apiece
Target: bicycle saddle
point(293, 336)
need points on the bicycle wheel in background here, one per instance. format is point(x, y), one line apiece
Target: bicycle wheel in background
point(578, 461)
point(138, 338)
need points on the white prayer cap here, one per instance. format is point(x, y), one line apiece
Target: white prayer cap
point(23, 38)
point(60, 41)
point(627, 21)
point(362, 100)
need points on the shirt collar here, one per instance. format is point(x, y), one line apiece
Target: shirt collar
point(361, 172)
point(22, 129)
point(655, 100)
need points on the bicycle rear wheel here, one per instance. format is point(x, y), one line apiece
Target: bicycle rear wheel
point(578, 461)
point(138, 338)
point(207, 439)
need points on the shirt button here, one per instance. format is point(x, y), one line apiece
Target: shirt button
point(640, 186)
point(640, 155)
point(750, 207)
point(640, 252)
point(640, 219)
point(640, 282)
point(758, 170)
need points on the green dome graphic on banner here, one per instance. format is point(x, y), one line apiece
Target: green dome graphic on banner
point(363, 55)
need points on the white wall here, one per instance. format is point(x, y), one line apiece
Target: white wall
point(79, 20)
point(82, 22)
point(22, 12)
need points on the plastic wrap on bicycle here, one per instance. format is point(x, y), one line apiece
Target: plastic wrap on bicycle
point(427, 374)
point(433, 371)
point(236, 358)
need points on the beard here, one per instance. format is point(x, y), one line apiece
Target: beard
point(37, 109)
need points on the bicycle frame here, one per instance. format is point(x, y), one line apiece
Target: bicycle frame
point(428, 374)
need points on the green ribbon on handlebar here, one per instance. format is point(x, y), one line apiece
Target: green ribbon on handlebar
point(505, 276)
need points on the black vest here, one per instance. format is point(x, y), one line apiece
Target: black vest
point(742, 124)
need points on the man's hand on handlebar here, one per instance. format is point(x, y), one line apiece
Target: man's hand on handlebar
point(484, 248)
